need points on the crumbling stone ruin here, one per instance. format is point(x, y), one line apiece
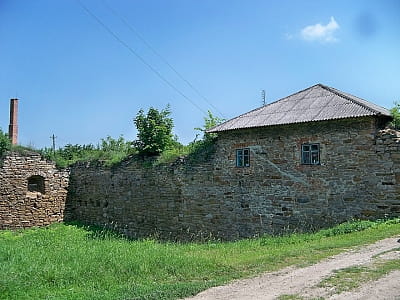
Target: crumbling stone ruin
point(32, 191)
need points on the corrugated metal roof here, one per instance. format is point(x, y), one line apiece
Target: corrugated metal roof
point(316, 103)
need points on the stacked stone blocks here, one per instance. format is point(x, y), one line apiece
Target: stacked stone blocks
point(359, 177)
point(21, 208)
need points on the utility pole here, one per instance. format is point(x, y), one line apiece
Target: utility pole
point(53, 137)
point(263, 96)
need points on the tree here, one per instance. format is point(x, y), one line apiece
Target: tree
point(5, 143)
point(210, 121)
point(396, 115)
point(154, 131)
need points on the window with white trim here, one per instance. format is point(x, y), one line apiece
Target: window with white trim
point(243, 157)
point(310, 154)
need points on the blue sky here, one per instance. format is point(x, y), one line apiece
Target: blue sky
point(76, 80)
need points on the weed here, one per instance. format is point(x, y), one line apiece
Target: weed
point(72, 261)
point(350, 278)
point(348, 227)
point(290, 297)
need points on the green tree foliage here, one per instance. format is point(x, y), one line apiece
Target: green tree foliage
point(203, 149)
point(154, 131)
point(5, 143)
point(396, 115)
point(210, 121)
point(109, 150)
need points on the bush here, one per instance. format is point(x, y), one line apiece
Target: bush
point(5, 143)
point(154, 139)
point(154, 131)
point(209, 122)
point(396, 115)
point(110, 151)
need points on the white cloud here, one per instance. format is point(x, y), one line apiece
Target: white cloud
point(318, 32)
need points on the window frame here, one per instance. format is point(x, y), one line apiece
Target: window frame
point(309, 161)
point(242, 157)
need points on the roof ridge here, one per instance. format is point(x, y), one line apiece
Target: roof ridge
point(259, 108)
point(303, 90)
point(307, 105)
point(340, 94)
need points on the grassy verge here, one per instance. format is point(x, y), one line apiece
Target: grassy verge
point(71, 262)
point(350, 278)
point(297, 297)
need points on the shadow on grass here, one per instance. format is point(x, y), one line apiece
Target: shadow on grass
point(97, 232)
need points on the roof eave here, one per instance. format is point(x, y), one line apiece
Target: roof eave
point(215, 129)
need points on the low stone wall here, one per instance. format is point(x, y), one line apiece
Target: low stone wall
point(22, 208)
point(165, 200)
point(358, 177)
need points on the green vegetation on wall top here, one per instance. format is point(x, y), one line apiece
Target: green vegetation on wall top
point(396, 115)
point(155, 140)
point(5, 143)
point(154, 131)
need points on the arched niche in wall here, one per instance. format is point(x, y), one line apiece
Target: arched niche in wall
point(36, 184)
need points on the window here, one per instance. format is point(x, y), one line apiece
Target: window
point(36, 184)
point(310, 154)
point(243, 157)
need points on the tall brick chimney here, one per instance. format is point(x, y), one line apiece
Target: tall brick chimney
point(13, 127)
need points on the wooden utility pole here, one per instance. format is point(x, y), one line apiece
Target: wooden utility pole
point(53, 137)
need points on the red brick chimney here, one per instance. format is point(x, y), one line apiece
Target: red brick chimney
point(13, 127)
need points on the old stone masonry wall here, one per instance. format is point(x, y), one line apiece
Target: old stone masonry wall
point(32, 191)
point(359, 177)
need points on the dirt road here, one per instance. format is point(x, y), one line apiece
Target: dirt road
point(302, 283)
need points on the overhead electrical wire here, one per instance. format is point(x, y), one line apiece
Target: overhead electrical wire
point(156, 53)
point(159, 75)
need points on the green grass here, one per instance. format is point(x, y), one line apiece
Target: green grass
point(290, 297)
point(296, 297)
point(75, 262)
point(350, 278)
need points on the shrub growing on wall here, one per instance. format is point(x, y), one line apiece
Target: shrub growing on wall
point(5, 143)
point(396, 115)
point(210, 121)
point(154, 131)
point(109, 150)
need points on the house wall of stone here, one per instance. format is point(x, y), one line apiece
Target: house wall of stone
point(358, 177)
point(20, 208)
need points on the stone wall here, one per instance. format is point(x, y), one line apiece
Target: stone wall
point(21, 208)
point(358, 177)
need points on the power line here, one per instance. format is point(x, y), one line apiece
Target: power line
point(164, 60)
point(138, 56)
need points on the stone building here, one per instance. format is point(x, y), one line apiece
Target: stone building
point(317, 157)
point(32, 191)
point(312, 159)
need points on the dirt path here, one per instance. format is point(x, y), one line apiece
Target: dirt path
point(303, 282)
